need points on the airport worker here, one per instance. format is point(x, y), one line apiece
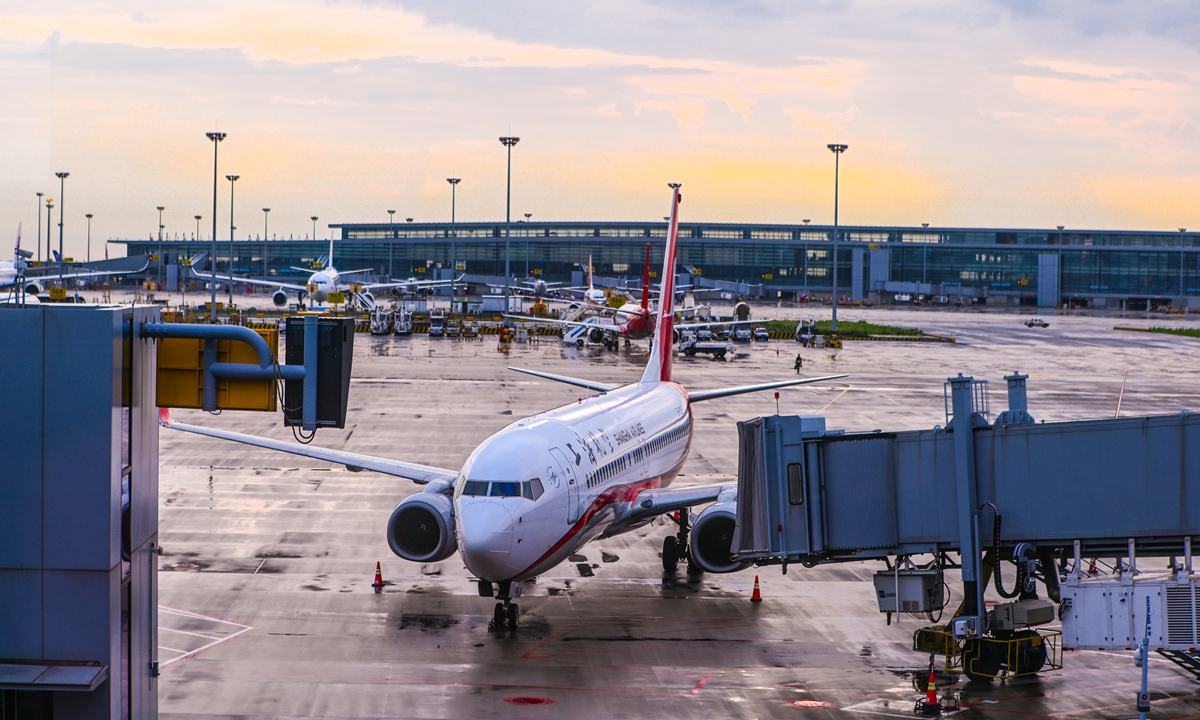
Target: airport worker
point(799, 363)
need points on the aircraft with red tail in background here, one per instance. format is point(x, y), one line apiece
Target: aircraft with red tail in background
point(542, 488)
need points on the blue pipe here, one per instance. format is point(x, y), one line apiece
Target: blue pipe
point(245, 371)
point(212, 332)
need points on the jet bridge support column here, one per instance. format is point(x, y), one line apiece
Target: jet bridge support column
point(963, 426)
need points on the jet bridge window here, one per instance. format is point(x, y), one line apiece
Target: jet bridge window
point(795, 475)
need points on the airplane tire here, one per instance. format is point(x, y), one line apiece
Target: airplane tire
point(498, 617)
point(670, 554)
point(514, 612)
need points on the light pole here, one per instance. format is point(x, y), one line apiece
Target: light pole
point(49, 218)
point(62, 182)
point(314, 220)
point(453, 233)
point(527, 216)
point(391, 217)
point(216, 138)
point(508, 143)
point(89, 246)
point(39, 232)
point(232, 179)
point(197, 238)
point(266, 212)
point(160, 209)
point(837, 149)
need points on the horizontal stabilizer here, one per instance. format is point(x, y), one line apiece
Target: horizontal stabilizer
point(726, 392)
point(421, 474)
point(598, 387)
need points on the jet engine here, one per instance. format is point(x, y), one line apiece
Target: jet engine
point(712, 537)
point(280, 298)
point(366, 294)
point(421, 528)
point(34, 288)
point(676, 336)
point(596, 335)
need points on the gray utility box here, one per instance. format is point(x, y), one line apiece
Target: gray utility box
point(909, 590)
point(78, 513)
point(1109, 612)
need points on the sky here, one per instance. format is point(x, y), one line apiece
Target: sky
point(1007, 113)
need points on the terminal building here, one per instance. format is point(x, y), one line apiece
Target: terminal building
point(1087, 268)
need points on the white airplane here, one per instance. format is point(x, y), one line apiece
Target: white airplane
point(539, 490)
point(18, 268)
point(325, 280)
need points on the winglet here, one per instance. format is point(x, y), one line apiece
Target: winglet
point(659, 367)
point(164, 417)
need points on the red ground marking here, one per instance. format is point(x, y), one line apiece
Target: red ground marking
point(699, 686)
point(528, 700)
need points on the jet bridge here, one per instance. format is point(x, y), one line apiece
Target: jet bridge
point(1050, 497)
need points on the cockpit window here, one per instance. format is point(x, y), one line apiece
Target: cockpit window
point(532, 489)
point(505, 489)
point(474, 487)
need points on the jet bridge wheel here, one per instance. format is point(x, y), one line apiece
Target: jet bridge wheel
point(670, 554)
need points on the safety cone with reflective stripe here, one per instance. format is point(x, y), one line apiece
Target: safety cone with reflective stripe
point(378, 584)
point(930, 707)
point(757, 596)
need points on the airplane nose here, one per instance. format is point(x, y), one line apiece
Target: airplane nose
point(487, 539)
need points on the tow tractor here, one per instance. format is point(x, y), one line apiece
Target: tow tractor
point(689, 345)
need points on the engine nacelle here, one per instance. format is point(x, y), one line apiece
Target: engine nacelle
point(712, 537)
point(421, 528)
point(34, 288)
point(369, 298)
point(676, 336)
point(280, 298)
point(596, 335)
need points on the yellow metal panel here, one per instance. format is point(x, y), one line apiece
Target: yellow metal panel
point(181, 374)
point(58, 293)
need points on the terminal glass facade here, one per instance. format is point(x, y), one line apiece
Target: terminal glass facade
point(792, 259)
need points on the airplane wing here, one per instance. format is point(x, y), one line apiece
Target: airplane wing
point(598, 387)
point(568, 323)
point(421, 474)
point(248, 281)
point(47, 273)
point(693, 326)
point(726, 392)
point(352, 272)
point(411, 283)
point(658, 501)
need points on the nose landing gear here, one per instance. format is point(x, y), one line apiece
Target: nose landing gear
point(506, 612)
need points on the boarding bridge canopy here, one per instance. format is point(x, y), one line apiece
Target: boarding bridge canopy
point(810, 495)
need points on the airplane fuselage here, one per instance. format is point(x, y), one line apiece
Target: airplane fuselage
point(589, 460)
point(321, 283)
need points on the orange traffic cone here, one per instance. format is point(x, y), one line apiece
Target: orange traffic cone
point(757, 596)
point(378, 584)
point(930, 707)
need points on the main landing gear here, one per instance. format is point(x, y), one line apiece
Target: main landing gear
point(506, 612)
point(675, 547)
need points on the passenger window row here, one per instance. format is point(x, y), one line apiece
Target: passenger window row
point(636, 456)
point(530, 489)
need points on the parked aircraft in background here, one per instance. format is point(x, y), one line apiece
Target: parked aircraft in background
point(35, 280)
point(327, 279)
point(539, 490)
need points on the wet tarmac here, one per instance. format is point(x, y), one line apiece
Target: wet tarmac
point(268, 563)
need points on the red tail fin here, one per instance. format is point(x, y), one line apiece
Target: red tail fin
point(659, 367)
point(646, 281)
